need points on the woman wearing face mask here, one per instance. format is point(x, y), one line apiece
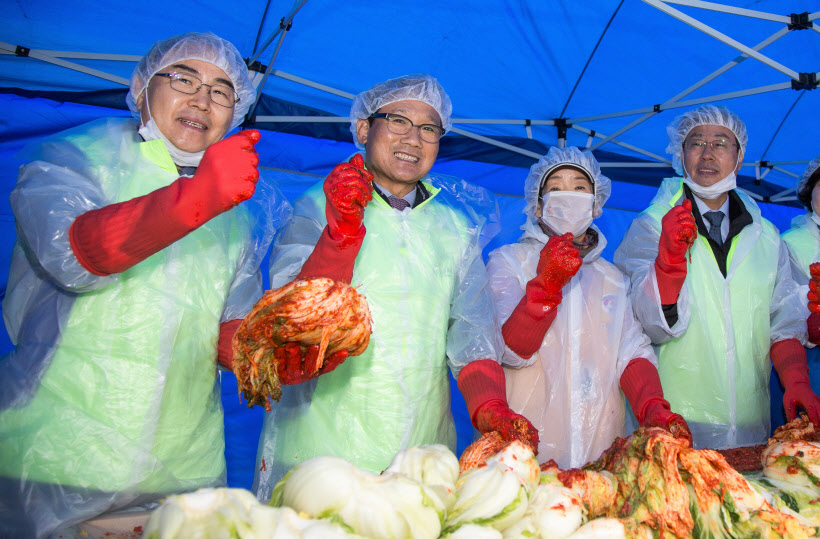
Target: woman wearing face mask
point(573, 346)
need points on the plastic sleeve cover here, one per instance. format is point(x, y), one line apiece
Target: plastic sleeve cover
point(46, 201)
point(635, 256)
point(788, 310)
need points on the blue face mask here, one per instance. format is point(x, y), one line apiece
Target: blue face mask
point(150, 131)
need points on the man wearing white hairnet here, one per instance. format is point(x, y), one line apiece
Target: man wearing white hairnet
point(803, 241)
point(138, 254)
point(572, 342)
point(712, 286)
point(410, 240)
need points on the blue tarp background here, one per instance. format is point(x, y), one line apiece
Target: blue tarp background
point(527, 59)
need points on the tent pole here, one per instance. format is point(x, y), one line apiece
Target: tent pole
point(268, 69)
point(711, 6)
point(285, 22)
point(722, 37)
point(68, 65)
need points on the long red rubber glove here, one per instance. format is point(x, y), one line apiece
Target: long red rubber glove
point(678, 233)
point(641, 385)
point(813, 322)
point(789, 360)
point(524, 330)
point(114, 238)
point(483, 385)
point(296, 363)
point(347, 191)
point(224, 346)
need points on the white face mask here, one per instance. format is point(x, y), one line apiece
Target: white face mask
point(150, 131)
point(716, 189)
point(567, 211)
point(815, 218)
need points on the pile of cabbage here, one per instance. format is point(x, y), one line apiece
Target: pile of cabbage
point(646, 485)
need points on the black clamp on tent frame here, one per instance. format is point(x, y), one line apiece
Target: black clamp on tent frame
point(256, 66)
point(656, 108)
point(763, 164)
point(807, 81)
point(22, 51)
point(800, 21)
point(561, 125)
point(290, 23)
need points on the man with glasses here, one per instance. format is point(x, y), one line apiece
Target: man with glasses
point(712, 286)
point(413, 249)
point(138, 254)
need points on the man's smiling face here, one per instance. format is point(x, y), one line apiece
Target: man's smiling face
point(399, 160)
point(192, 122)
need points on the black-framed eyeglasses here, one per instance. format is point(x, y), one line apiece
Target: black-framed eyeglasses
point(718, 146)
point(187, 83)
point(400, 125)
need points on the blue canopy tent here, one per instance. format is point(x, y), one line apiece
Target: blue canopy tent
point(607, 75)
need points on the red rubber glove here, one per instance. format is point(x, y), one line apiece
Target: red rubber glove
point(789, 360)
point(118, 236)
point(296, 363)
point(483, 385)
point(524, 330)
point(347, 190)
point(678, 233)
point(641, 385)
point(813, 322)
point(224, 346)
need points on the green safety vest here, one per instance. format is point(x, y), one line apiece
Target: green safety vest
point(129, 401)
point(717, 372)
point(396, 394)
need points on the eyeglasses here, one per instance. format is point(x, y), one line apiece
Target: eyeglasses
point(399, 125)
point(186, 83)
point(719, 146)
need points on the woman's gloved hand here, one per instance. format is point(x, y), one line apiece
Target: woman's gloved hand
point(813, 322)
point(678, 233)
point(641, 385)
point(116, 237)
point(524, 330)
point(483, 385)
point(558, 263)
point(296, 363)
point(658, 414)
point(347, 190)
point(497, 416)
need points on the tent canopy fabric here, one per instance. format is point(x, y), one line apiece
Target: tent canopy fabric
point(609, 75)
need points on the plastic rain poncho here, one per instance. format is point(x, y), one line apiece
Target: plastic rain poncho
point(110, 396)
point(714, 362)
point(570, 388)
point(422, 274)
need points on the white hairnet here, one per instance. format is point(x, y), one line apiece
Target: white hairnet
point(419, 87)
point(557, 157)
point(703, 115)
point(207, 47)
point(804, 189)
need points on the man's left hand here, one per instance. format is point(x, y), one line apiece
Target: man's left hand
point(495, 416)
point(296, 363)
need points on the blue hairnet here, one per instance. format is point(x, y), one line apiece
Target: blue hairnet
point(703, 115)
point(207, 47)
point(571, 156)
point(420, 87)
